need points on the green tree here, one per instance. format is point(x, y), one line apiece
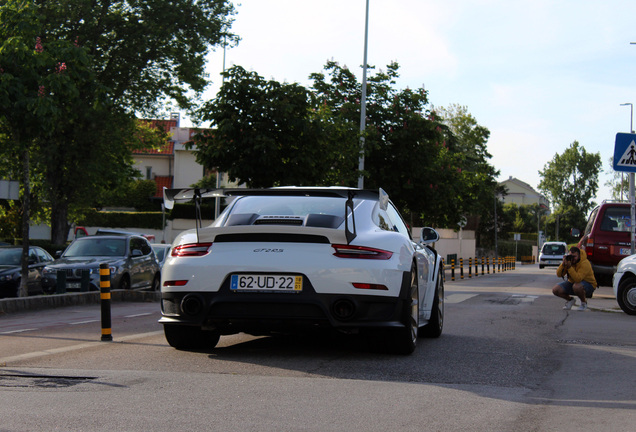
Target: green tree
point(619, 183)
point(37, 88)
point(570, 179)
point(406, 148)
point(120, 58)
point(470, 139)
point(268, 133)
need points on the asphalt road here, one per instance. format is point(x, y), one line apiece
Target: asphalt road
point(509, 359)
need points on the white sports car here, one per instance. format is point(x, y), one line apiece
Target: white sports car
point(285, 259)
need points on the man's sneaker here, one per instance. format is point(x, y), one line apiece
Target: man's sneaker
point(569, 304)
point(583, 307)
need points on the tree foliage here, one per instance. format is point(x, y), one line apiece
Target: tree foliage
point(619, 183)
point(570, 179)
point(267, 133)
point(78, 71)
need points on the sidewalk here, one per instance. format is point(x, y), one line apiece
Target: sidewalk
point(604, 300)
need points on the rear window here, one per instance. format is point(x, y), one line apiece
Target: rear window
point(616, 219)
point(553, 249)
point(290, 206)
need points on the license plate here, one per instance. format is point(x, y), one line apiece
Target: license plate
point(626, 251)
point(272, 283)
point(73, 285)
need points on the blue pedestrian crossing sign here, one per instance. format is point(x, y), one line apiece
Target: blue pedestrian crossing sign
point(625, 152)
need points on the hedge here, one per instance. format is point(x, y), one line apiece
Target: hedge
point(112, 219)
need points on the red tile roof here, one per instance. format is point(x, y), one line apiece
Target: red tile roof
point(167, 149)
point(162, 181)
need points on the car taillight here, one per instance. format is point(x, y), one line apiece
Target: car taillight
point(589, 247)
point(349, 251)
point(370, 286)
point(175, 283)
point(192, 249)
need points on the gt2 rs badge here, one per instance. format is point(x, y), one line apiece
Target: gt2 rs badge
point(268, 250)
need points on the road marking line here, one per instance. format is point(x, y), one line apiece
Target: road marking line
point(31, 355)
point(138, 315)
point(83, 322)
point(19, 331)
point(458, 298)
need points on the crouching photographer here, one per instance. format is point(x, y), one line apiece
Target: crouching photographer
point(580, 280)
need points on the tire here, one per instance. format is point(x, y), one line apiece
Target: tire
point(540, 266)
point(404, 340)
point(156, 283)
point(436, 324)
point(626, 295)
point(183, 337)
point(124, 283)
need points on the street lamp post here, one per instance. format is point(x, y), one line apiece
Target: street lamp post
point(632, 201)
point(363, 101)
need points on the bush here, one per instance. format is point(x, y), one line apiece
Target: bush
point(152, 220)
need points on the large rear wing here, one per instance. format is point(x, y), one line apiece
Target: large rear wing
point(197, 194)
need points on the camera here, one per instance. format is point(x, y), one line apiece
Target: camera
point(569, 258)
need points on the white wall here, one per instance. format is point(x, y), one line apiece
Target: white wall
point(186, 169)
point(160, 165)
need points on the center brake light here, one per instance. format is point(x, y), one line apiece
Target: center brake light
point(360, 252)
point(191, 249)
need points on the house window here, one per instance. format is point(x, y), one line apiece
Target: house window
point(148, 173)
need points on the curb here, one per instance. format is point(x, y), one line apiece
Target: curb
point(21, 304)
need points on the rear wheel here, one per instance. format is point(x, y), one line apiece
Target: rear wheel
point(124, 284)
point(185, 337)
point(156, 283)
point(404, 340)
point(435, 325)
point(626, 295)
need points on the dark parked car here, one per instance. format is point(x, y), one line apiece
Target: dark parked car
point(11, 269)
point(131, 260)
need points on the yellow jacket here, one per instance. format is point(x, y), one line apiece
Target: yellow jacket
point(581, 271)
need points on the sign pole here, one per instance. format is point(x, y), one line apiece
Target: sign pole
point(632, 205)
point(625, 161)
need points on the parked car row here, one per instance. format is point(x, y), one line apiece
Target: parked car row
point(131, 260)
point(11, 269)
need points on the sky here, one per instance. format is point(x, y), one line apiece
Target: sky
point(538, 74)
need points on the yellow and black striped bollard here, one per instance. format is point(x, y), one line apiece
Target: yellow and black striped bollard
point(461, 268)
point(104, 295)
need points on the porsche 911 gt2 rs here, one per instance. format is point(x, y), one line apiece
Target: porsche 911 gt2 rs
point(287, 259)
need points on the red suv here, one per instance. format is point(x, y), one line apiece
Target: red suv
point(609, 238)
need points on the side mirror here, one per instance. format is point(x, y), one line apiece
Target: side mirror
point(136, 253)
point(575, 232)
point(58, 254)
point(428, 235)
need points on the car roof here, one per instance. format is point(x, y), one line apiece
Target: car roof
point(113, 236)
